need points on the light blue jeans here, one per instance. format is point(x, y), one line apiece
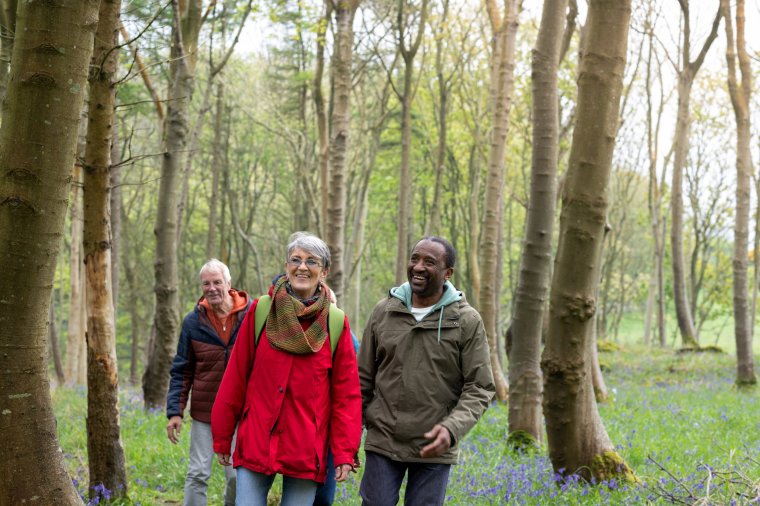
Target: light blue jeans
point(201, 462)
point(253, 487)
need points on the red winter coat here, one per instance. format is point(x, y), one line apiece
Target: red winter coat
point(287, 405)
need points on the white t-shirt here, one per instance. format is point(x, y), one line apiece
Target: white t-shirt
point(421, 312)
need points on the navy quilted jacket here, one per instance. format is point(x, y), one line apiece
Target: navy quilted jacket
point(199, 363)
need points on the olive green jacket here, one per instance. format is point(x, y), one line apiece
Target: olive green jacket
point(417, 374)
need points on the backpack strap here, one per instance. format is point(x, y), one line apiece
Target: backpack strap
point(335, 325)
point(335, 320)
point(260, 316)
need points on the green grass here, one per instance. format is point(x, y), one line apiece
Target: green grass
point(680, 412)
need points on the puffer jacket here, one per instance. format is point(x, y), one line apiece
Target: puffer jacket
point(287, 406)
point(200, 362)
point(417, 374)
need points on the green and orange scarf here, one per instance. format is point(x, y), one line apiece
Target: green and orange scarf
point(284, 330)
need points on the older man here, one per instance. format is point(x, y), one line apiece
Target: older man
point(205, 343)
point(426, 378)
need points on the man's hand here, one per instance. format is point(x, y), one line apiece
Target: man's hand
point(440, 444)
point(173, 428)
point(342, 471)
point(224, 459)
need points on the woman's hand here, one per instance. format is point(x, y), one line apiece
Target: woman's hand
point(224, 459)
point(342, 471)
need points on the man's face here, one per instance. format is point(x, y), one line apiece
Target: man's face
point(427, 271)
point(215, 288)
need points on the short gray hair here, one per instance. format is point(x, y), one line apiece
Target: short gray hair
point(215, 265)
point(310, 243)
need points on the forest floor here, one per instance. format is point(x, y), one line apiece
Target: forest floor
point(677, 419)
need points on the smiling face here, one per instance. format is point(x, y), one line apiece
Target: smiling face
point(427, 272)
point(215, 289)
point(305, 271)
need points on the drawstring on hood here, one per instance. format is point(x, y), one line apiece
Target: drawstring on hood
point(450, 295)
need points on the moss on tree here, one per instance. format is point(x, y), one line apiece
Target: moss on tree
point(610, 465)
point(522, 441)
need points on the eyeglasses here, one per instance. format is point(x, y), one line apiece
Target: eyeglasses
point(310, 262)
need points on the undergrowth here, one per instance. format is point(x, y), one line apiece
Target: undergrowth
point(677, 420)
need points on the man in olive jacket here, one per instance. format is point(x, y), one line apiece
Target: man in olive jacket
point(425, 378)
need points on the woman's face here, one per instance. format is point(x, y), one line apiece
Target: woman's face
point(305, 271)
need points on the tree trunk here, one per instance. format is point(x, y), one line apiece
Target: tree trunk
point(38, 140)
point(525, 379)
point(474, 216)
point(7, 32)
point(686, 77)
point(323, 144)
point(434, 222)
point(184, 49)
point(578, 441)
point(136, 323)
point(55, 349)
point(406, 97)
point(75, 334)
point(212, 246)
point(741, 93)
point(339, 128)
point(502, 84)
point(104, 449)
point(114, 209)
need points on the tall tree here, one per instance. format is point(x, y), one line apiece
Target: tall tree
point(686, 76)
point(504, 30)
point(338, 151)
point(444, 82)
point(104, 449)
point(408, 45)
point(7, 32)
point(578, 442)
point(186, 29)
point(75, 342)
point(51, 57)
point(741, 92)
point(656, 188)
point(525, 380)
point(55, 350)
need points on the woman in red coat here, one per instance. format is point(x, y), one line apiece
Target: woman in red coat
point(288, 393)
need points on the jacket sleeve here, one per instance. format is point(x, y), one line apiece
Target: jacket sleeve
point(367, 364)
point(478, 386)
point(182, 372)
point(345, 395)
point(230, 399)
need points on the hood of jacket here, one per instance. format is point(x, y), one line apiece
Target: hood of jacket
point(449, 296)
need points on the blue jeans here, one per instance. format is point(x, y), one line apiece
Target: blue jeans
point(201, 459)
point(425, 484)
point(253, 487)
point(326, 492)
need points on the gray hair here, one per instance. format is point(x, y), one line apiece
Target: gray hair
point(311, 244)
point(215, 265)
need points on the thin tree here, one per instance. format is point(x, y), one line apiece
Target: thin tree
point(51, 57)
point(187, 23)
point(408, 46)
point(504, 30)
point(75, 341)
point(525, 379)
point(55, 349)
point(339, 128)
point(686, 76)
point(578, 442)
point(655, 308)
point(741, 92)
point(444, 82)
point(104, 449)
point(7, 33)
